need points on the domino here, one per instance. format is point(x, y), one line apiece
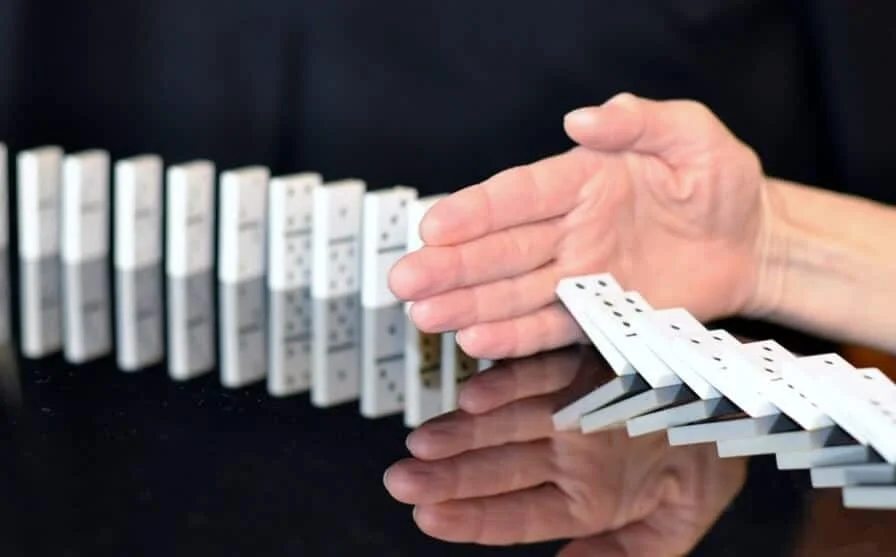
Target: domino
point(457, 368)
point(870, 497)
point(242, 262)
point(190, 203)
point(876, 473)
point(385, 233)
point(826, 456)
point(38, 185)
point(871, 402)
point(423, 351)
point(137, 259)
point(84, 250)
point(4, 198)
point(335, 289)
point(618, 316)
point(290, 223)
point(576, 294)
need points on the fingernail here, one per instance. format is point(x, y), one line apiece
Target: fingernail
point(582, 116)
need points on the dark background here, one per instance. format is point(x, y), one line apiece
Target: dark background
point(96, 462)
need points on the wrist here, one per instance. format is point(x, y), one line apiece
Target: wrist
point(824, 265)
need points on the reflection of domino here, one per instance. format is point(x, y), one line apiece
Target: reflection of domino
point(137, 258)
point(85, 207)
point(242, 228)
point(423, 351)
point(457, 368)
point(290, 219)
point(335, 288)
point(385, 239)
point(38, 187)
point(189, 267)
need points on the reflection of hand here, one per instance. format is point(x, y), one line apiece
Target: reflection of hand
point(497, 473)
point(660, 194)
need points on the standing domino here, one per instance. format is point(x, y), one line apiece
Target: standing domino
point(290, 221)
point(138, 234)
point(189, 267)
point(5, 324)
point(4, 199)
point(423, 351)
point(335, 288)
point(85, 256)
point(38, 186)
point(457, 368)
point(385, 240)
point(242, 222)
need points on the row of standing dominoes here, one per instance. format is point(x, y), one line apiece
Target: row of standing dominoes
point(302, 278)
point(757, 398)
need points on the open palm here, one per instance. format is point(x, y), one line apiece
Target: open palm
point(496, 472)
point(660, 194)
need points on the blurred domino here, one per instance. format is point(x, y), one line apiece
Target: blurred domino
point(85, 207)
point(4, 198)
point(385, 240)
point(423, 351)
point(878, 497)
point(39, 173)
point(576, 294)
point(335, 288)
point(290, 221)
point(137, 258)
point(875, 473)
point(870, 407)
point(189, 266)
point(242, 231)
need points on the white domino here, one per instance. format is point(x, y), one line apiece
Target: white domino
point(138, 209)
point(457, 368)
point(871, 409)
point(423, 351)
point(190, 208)
point(767, 359)
point(290, 223)
point(385, 233)
point(335, 286)
point(137, 258)
point(39, 176)
point(84, 250)
point(383, 360)
point(4, 198)
point(190, 218)
point(706, 353)
point(242, 264)
point(336, 239)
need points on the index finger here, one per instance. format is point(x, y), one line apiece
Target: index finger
point(523, 194)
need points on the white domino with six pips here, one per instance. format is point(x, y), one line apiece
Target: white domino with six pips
point(189, 266)
point(385, 240)
point(242, 265)
point(84, 250)
point(335, 287)
point(290, 222)
point(39, 174)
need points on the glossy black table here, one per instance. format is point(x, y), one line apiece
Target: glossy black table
point(97, 461)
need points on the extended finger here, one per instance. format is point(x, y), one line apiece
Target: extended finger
point(496, 301)
point(630, 123)
point(524, 194)
point(537, 514)
point(446, 436)
point(506, 253)
point(515, 380)
point(545, 329)
point(474, 474)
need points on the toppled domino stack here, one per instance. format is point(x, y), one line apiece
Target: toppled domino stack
point(817, 413)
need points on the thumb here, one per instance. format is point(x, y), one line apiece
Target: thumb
point(626, 122)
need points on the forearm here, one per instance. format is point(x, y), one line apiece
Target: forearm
point(829, 265)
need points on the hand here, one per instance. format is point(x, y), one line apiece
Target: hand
point(660, 194)
point(496, 472)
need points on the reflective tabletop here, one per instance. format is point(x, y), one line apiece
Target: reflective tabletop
point(96, 459)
